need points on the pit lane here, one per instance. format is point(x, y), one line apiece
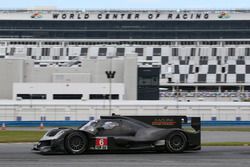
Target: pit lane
point(21, 155)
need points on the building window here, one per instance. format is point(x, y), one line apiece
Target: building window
point(183, 78)
point(12, 51)
point(247, 52)
point(32, 96)
point(192, 53)
point(212, 69)
point(202, 78)
point(187, 42)
point(231, 51)
point(45, 51)
point(67, 96)
point(169, 80)
point(231, 69)
point(190, 71)
point(149, 58)
point(175, 52)
point(219, 60)
point(120, 51)
point(102, 52)
point(67, 51)
point(61, 51)
point(214, 51)
point(164, 60)
point(29, 51)
point(203, 60)
point(218, 78)
point(247, 69)
point(176, 69)
point(223, 69)
point(209, 43)
point(84, 52)
point(103, 96)
point(197, 70)
point(240, 78)
point(157, 52)
point(139, 51)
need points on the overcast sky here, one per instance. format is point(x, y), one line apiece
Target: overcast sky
point(126, 4)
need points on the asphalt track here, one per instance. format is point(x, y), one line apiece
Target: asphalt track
point(20, 155)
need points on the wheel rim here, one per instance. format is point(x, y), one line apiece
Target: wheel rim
point(76, 143)
point(177, 142)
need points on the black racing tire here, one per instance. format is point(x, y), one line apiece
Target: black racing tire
point(76, 143)
point(176, 142)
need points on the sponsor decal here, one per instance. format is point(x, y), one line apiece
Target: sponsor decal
point(36, 16)
point(160, 122)
point(224, 15)
point(101, 143)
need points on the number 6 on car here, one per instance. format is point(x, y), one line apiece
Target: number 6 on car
point(101, 143)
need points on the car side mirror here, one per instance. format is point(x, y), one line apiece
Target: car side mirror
point(100, 128)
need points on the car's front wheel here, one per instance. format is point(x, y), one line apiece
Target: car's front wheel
point(176, 142)
point(76, 143)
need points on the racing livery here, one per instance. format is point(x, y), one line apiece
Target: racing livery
point(124, 133)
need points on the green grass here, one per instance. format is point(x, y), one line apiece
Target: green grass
point(226, 144)
point(20, 136)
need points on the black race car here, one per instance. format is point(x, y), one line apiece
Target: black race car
point(120, 133)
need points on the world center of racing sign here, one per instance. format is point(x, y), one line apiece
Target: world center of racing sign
point(130, 16)
point(151, 15)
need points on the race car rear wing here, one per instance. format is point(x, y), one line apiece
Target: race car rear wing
point(170, 121)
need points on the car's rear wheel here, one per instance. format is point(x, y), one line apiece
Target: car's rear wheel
point(76, 143)
point(176, 142)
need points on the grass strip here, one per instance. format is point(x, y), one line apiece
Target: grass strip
point(229, 129)
point(20, 136)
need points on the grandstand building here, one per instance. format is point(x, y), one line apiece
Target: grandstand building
point(201, 53)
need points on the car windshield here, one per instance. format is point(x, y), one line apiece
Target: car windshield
point(90, 126)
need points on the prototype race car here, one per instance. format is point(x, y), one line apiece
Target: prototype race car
point(120, 133)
